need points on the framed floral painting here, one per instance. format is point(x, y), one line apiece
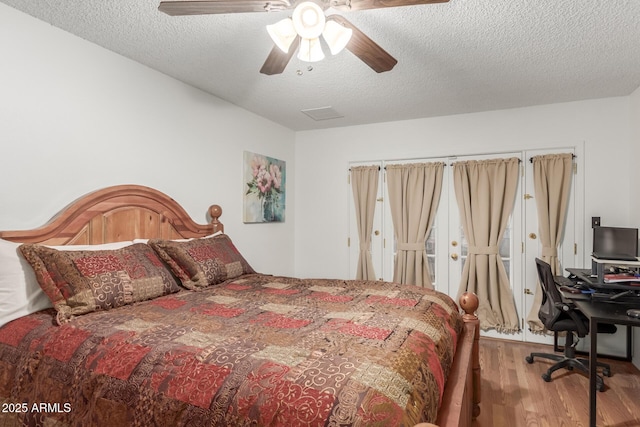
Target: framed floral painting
point(264, 188)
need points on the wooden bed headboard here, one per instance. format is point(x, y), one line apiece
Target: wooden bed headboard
point(118, 213)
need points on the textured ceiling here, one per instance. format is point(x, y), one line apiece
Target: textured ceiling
point(457, 57)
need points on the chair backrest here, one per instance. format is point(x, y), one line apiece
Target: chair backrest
point(549, 311)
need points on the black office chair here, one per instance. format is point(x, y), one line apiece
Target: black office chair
point(561, 316)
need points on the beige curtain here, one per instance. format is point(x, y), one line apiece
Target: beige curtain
point(364, 183)
point(485, 192)
point(414, 194)
point(552, 185)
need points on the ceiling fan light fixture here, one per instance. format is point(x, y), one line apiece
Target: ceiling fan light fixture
point(310, 50)
point(308, 20)
point(336, 36)
point(282, 33)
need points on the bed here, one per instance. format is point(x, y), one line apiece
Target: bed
point(182, 331)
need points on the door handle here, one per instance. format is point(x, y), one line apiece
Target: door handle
point(527, 291)
point(454, 256)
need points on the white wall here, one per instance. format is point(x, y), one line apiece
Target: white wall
point(322, 159)
point(75, 117)
point(634, 208)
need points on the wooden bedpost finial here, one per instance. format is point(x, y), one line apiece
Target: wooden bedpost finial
point(216, 211)
point(469, 303)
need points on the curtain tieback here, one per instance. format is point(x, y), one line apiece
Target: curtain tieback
point(365, 245)
point(411, 246)
point(483, 250)
point(549, 251)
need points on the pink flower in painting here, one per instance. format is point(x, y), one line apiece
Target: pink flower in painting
point(258, 164)
point(263, 181)
point(276, 175)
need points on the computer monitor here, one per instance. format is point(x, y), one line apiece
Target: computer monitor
point(616, 243)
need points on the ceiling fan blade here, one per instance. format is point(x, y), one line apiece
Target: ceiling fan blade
point(209, 7)
point(278, 60)
point(349, 5)
point(366, 49)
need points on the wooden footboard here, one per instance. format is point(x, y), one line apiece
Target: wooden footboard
point(461, 400)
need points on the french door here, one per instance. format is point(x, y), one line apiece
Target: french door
point(455, 248)
point(446, 245)
point(571, 247)
point(377, 237)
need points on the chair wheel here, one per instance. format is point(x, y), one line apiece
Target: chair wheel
point(546, 377)
point(606, 372)
point(569, 368)
point(600, 387)
point(529, 359)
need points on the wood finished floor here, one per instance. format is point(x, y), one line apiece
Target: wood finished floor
point(514, 394)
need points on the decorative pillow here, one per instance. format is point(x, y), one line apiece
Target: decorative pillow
point(19, 291)
point(199, 263)
point(79, 282)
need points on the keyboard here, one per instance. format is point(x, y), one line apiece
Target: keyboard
point(623, 297)
point(564, 281)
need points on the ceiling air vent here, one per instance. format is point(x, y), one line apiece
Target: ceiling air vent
point(322, 113)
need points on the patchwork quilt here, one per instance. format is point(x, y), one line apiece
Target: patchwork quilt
point(255, 350)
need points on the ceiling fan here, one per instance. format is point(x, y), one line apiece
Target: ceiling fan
point(301, 32)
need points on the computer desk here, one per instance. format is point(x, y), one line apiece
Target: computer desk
point(601, 311)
